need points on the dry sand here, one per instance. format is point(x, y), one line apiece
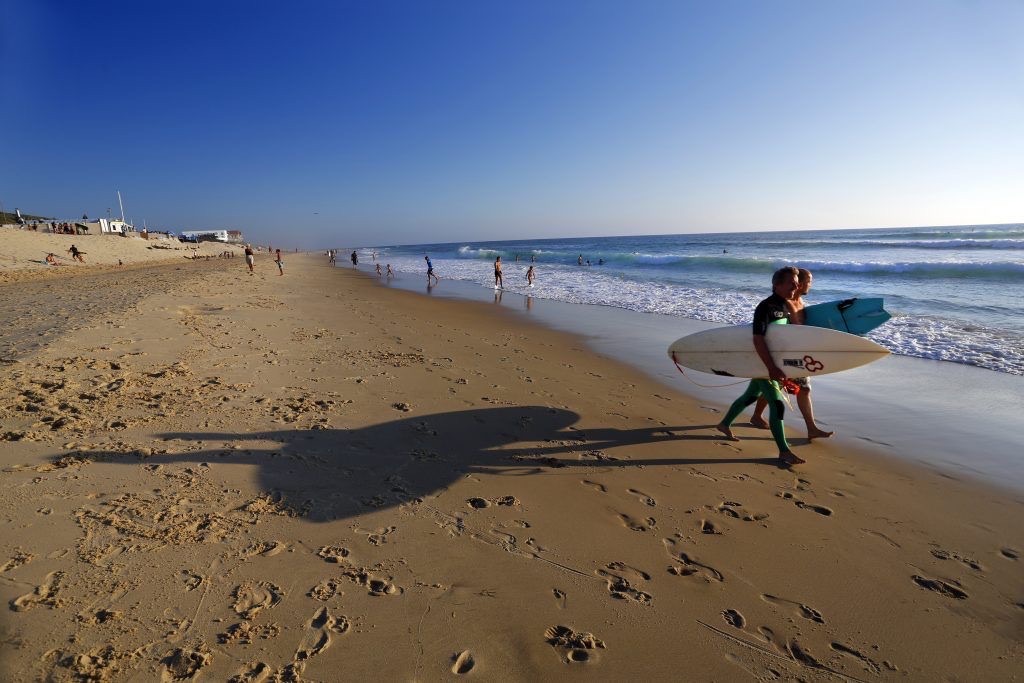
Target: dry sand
point(23, 252)
point(311, 477)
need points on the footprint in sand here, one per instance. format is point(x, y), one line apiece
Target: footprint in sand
point(621, 577)
point(939, 586)
point(44, 594)
point(803, 610)
point(333, 553)
point(575, 646)
point(20, 558)
point(1010, 553)
point(181, 664)
point(820, 509)
point(708, 527)
point(688, 566)
point(373, 584)
point(560, 598)
point(594, 485)
point(734, 618)
point(463, 663)
point(264, 548)
point(636, 524)
point(380, 536)
point(868, 663)
point(317, 637)
point(735, 510)
point(253, 672)
point(644, 498)
point(252, 597)
point(949, 555)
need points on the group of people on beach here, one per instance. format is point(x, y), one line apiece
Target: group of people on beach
point(250, 259)
point(785, 305)
point(499, 282)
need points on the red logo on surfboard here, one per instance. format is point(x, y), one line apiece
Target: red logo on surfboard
point(813, 365)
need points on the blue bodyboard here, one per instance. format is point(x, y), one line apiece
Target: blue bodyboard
point(856, 316)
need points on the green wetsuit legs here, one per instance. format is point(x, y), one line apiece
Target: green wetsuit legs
point(776, 408)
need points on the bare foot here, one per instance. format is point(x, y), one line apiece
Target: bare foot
point(816, 433)
point(790, 458)
point(727, 431)
point(758, 421)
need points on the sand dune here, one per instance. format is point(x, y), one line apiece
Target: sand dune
point(23, 252)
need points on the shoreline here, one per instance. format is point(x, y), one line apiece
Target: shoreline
point(266, 476)
point(895, 407)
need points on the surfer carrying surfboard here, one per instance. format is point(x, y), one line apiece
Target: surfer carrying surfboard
point(803, 399)
point(773, 310)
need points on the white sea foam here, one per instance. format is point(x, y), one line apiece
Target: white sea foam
point(923, 337)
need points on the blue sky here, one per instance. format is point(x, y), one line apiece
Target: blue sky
point(361, 123)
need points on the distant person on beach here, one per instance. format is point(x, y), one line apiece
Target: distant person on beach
point(355, 259)
point(331, 256)
point(772, 311)
point(76, 254)
point(497, 274)
point(390, 273)
point(280, 262)
point(51, 258)
point(430, 271)
point(529, 276)
point(378, 271)
point(803, 399)
point(250, 259)
point(579, 261)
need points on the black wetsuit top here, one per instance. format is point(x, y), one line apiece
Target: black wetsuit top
point(773, 309)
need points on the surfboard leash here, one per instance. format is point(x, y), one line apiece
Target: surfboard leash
point(682, 371)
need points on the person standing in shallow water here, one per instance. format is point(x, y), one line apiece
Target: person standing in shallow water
point(430, 271)
point(497, 274)
point(529, 276)
point(774, 310)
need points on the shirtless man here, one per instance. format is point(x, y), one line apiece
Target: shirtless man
point(803, 399)
point(497, 274)
point(773, 310)
point(529, 276)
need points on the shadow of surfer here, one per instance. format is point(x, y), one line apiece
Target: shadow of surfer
point(328, 474)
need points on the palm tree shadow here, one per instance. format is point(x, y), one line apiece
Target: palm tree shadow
point(332, 474)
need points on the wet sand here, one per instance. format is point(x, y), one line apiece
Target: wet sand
point(275, 478)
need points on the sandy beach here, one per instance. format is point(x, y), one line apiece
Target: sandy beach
point(217, 476)
point(23, 252)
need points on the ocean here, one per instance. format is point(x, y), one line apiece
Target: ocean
point(956, 293)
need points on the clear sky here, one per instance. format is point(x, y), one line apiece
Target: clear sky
point(377, 122)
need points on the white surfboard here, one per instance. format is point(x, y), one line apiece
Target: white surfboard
point(799, 350)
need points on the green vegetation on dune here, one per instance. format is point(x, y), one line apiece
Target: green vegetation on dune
point(8, 217)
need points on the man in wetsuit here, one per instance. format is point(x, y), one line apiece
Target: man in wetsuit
point(803, 399)
point(773, 310)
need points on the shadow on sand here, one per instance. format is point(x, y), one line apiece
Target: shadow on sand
point(336, 473)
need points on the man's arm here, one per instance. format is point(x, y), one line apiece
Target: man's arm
point(766, 357)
